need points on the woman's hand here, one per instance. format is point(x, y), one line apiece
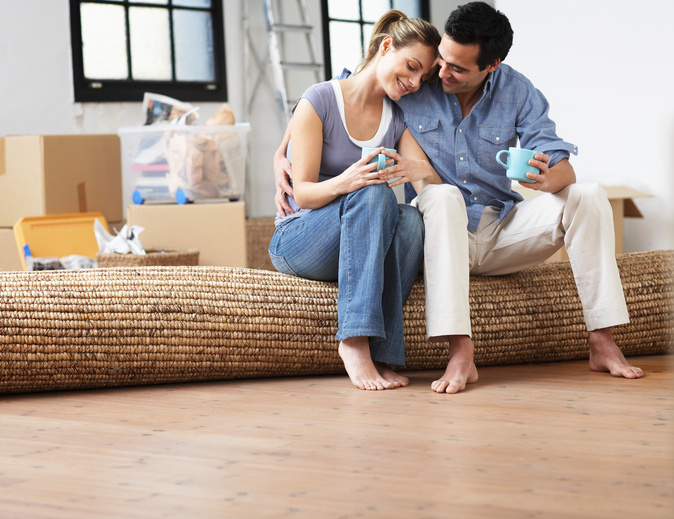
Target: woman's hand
point(361, 174)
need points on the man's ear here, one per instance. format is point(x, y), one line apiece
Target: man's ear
point(493, 66)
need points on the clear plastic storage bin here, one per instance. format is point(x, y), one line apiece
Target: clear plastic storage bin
point(182, 163)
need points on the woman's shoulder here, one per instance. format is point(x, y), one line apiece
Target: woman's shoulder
point(319, 89)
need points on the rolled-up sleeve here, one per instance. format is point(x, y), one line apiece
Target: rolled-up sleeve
point(537, 131)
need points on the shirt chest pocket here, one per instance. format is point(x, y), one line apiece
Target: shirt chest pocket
point(491, 141)
point(426, 131)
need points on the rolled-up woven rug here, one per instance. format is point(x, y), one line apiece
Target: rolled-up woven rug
point(147, 325)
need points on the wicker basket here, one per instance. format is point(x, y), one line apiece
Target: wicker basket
point(168, 258)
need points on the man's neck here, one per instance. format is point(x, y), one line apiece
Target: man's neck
point(468, 99)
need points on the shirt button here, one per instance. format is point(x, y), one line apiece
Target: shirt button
point(420, 127)
point(475, 198)
point(498, 139)
point(460, 131)
point(460, 158)
point(454, 104)
point(465, 181)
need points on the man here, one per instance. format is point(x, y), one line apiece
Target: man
point(475, 223)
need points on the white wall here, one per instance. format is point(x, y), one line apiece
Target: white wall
point(36, 92)
point(597, 61)
point(36, 73)
point(604, 67)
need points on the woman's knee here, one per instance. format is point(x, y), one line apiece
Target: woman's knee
point(377, 194)
point(410, 225)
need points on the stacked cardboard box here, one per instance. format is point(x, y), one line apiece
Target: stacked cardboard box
point(216, 230)
point(56, 174)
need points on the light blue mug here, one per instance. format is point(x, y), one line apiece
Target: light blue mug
point(379, 159)
point(518, 163)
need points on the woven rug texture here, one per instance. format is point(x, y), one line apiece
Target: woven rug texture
point(148, 325)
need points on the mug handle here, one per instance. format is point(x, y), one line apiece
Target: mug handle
point(381, 161)
point(498, 158)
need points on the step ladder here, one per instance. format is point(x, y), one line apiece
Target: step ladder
point(280, 68)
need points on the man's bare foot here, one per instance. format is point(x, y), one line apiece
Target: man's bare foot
point(355, 353)
point(606, 356)
point(461, 368)
point(391, 376)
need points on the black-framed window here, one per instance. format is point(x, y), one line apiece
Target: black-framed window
point(347, 27)
point(124, 48)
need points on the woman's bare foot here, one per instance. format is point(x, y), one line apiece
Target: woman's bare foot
point(461, 368)
point(355, 353)
point(606, 356)
point(391, 376)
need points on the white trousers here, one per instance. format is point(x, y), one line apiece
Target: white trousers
point(578, 217)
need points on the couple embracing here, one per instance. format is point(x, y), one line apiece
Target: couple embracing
point(439, 109)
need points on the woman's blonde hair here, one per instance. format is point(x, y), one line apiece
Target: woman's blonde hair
point(404, 31)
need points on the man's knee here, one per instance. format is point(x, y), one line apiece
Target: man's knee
point(588, 196)
point(441, 193)
point(442, 199)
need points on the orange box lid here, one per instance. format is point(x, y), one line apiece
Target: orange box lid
point(58, 235)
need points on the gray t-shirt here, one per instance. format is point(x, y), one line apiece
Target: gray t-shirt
point(340, 150)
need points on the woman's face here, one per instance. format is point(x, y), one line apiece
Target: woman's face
point(402, 71)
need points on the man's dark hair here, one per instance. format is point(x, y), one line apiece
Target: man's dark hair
point(479, 23)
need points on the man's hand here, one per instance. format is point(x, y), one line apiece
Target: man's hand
point(550, 179)
point(540, 180)
point(405, 169)
point(282, 177)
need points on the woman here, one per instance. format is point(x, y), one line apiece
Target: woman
point(347, 225)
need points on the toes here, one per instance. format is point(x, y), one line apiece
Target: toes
point(455, 387)
point(452, 388)
point(439, 386)
point(633, 372)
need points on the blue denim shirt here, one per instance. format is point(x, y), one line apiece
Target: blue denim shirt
point(463, 151)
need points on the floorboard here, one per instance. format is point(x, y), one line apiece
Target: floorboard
point(548, 440)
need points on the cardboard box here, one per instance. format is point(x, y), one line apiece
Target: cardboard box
point(216, 230)
point(58, 235)
point(57, 174)
point(622, 204)
point(9, 253)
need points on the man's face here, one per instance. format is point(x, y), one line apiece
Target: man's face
point(459, 71)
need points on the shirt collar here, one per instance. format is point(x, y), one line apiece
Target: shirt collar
point(487, 86)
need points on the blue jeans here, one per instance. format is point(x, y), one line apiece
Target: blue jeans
point(373, 248)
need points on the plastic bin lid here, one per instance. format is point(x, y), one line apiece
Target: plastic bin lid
point(188, 128)
point(58, 235)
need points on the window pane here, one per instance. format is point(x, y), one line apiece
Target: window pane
point(104, 41)
point(345, 48)
point(193, 33)
point(150, 47)
point(412, 8)
point(343, 9)
point(192, 3)
point(367, 34)
point(373, 9)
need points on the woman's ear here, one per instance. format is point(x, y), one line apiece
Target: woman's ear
point(385, 45)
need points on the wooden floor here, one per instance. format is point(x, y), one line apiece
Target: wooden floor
point(552, 440)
